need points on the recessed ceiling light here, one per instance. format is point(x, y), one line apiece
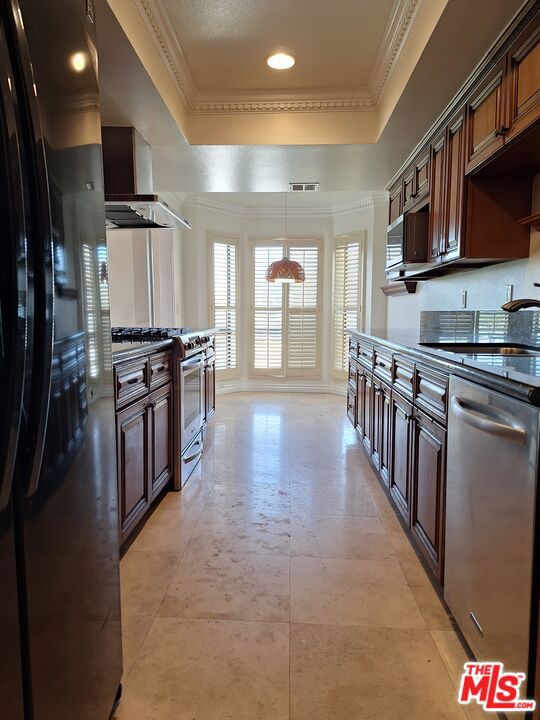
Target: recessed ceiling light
point(78, 61)
point(280, 61)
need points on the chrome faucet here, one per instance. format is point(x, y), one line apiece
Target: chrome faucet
point(515, 305)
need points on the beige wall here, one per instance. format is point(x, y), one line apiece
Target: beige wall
point(144, 277)
point(486, 288)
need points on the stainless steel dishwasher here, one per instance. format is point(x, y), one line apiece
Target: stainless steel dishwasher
point(490, 511)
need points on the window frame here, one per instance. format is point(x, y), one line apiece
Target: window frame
point(287, 244)
point(228, 239)
point(341, 241)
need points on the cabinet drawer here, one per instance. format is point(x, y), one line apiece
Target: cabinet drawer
point(353, 347)
point(403, 375)
point(351, 405)
point(352, 373)
point(365, 353)
point(383, 363)
point(130, 381)
point(432, 392)
point(160, 369)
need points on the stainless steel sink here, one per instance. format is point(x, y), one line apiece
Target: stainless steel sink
point(484, 348)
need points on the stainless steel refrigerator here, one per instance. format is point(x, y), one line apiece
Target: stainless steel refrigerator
point(60, 638)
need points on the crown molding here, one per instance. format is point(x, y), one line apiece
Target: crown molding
point(375, 199)
point(160, 27)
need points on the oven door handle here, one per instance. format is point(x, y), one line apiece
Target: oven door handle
point(195, 455)
point(194, 362)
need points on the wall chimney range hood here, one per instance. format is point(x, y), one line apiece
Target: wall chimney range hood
point(130, 203)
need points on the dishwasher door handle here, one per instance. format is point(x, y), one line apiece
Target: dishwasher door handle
point(489, 419)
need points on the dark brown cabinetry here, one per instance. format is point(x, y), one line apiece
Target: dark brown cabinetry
point(144, 434)
point(399, 409)
point(427, 483)
point(523, 85)
point(132, 465)
point(400, 446)
point(486, 116)
point(490, 131)
point(455, 187)
point(438, 197)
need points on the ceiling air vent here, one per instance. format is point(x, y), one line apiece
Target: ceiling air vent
point(304, 187)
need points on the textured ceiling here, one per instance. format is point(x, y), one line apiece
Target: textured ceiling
point(225, 43)
point(129, 97)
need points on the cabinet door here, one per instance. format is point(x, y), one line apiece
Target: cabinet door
point(395, 203)
point(421, 176)
point(160, 405)
point(409, 189)
point(381, 427)
point(400, 449)
point(210, 390)
point(428, 488)
point(385, 396)
point(368, 411)
point(351, 405)
point(455, 189)
point(486, 119)
point(133, 464)
point(437, 198)
point(524, 79)
point(376, 434)
point(360, 401)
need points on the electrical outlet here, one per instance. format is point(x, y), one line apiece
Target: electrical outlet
point(509, 293)
point(464, 299)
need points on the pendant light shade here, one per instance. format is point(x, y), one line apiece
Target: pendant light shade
point(285, 271)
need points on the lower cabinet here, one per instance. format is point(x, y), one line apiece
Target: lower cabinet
point(428, 483)
point(400, 453)
point(380, 452)
point(132, 460)
point(144, 455)
point(405, 440)
point(160, 408)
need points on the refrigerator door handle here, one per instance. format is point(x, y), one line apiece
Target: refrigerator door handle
point(42, 258)
point(12, 274)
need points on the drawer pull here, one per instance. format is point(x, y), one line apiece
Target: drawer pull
point(159, 369)
point(134, 379)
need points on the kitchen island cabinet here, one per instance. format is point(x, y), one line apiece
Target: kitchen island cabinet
point(144, 431)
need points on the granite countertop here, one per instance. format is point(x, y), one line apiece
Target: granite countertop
point(131, 350)
point(516, 375)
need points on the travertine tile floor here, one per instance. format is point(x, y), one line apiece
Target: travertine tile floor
point(279, 584)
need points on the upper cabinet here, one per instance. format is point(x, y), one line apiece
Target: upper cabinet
point(523, 85)
point(460, 175)
point(486, 116)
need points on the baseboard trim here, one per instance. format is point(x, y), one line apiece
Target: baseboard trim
point(257, 387)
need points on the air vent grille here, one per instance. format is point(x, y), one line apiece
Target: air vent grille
point(304, 187)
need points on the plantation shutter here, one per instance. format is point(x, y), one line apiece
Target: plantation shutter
point(303, 314)
point(224, 259)
point(97, 311)
point(267, 313)
point(347, 290)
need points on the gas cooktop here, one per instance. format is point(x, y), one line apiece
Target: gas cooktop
point(143, 334)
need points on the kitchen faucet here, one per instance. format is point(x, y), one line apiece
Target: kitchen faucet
point(515, 305)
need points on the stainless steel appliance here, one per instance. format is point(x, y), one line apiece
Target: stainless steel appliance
point(407, 241)
point(130, 201)
point(490, 511)
point(60, 635)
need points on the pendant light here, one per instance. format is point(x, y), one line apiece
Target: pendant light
point(285, 270)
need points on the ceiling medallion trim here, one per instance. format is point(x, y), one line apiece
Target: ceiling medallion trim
point(159, 24)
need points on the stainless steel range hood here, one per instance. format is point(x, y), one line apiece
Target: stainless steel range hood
point(130, 202)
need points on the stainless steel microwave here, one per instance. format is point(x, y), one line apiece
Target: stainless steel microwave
point(407, 240)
